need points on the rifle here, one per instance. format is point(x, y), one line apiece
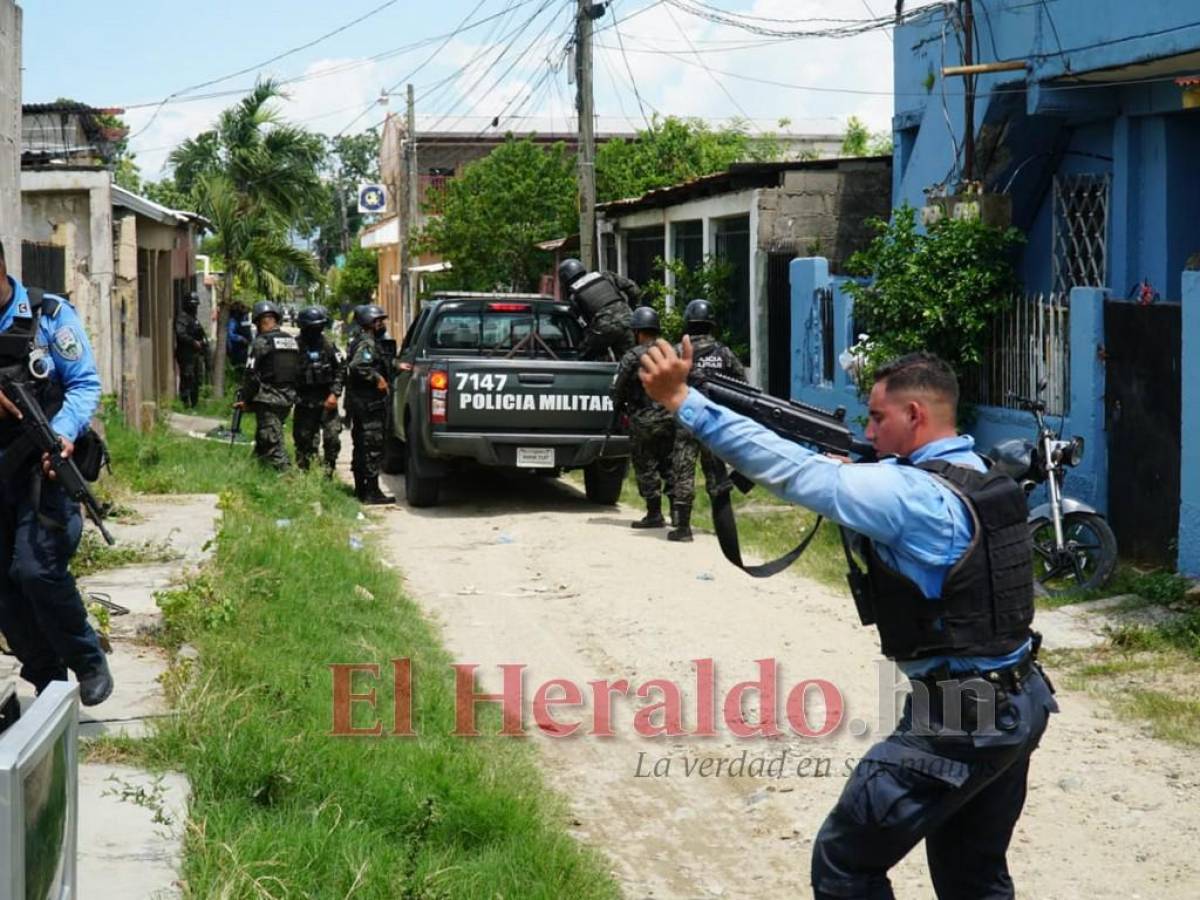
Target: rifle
point(235, 423)
point(824, 430)
point(44, 440)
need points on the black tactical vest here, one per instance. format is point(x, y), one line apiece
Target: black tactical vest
point(708, 354)
point(316, 365)
point(279, 365)
point(986, 607)
point(593, 292)
point(18, 344)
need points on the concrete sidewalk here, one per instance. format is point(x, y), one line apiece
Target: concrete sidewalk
point(131, 822)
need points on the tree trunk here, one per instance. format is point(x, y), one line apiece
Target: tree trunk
point(222, 332)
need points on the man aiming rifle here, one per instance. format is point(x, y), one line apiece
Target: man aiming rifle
point(949, 584)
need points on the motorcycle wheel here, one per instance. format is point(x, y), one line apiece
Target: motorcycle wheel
point(1088, 562)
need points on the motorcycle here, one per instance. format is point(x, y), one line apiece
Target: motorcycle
point(1074, 549)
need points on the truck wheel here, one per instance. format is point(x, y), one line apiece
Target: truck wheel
point(395, 453)
point(418, 491)
point(602, 480)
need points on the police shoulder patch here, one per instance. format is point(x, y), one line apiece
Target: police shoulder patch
point(67, 343)
point(23, 310)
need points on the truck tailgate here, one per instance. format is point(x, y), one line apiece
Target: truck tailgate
point(513, 395)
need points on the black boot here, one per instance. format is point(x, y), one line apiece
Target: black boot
point(674, 513)
point(653, 517)
point(372, 495)
point(683, 526)
point(95, 685)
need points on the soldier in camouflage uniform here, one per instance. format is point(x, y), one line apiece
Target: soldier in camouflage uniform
point(322, 373)
point(651, 427)
point(191, 350)
point(603, 300)
point(708, 355)
point(269, 384)
point(368, 380)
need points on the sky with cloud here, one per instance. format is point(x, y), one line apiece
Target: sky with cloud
point(510, 61)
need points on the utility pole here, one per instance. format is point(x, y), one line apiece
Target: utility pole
point(408, 304)
point(968, 20)
point(587, 138)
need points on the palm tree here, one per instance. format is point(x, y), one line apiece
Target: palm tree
point(254, 177)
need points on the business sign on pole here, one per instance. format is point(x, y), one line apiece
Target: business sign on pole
point(372, 198)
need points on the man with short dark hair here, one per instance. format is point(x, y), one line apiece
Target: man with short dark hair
point(949, 584)
point(41, 613)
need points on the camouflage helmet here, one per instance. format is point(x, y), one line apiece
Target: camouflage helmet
point(644, 318)
point(265, 308)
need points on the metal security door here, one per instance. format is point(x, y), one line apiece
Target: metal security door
point(1142, 393)
point(779, 325)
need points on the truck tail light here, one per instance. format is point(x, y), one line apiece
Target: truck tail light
point(439, 385)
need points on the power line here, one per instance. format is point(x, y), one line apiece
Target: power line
point(628, 68)
point(267, 62)
point(704, 66)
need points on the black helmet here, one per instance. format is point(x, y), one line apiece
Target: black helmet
point(313, 317)
point(265, 308)
point(368, 314)
point(569, 271)
point(644, 318)
point(698, 313)
point(192, 301)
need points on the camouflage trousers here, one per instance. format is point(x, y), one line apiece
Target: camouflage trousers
point(191, 376)
point(268, 434)
point(315, 428)
point(609, 329)
point(652, 439)
point(683, 467)
point(366, 431)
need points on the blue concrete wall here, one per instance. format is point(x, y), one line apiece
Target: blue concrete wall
point(1189, 475)
point(1087, 482)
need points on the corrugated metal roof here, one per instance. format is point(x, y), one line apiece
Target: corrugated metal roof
point(144, 206)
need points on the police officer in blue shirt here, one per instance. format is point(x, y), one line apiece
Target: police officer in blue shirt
point(949, 584)
point(41, 613)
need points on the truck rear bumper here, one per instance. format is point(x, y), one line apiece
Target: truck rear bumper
point(571, 451)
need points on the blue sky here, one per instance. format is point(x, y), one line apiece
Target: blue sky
point(130, 52)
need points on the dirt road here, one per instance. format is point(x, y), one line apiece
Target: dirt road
point(531, 573)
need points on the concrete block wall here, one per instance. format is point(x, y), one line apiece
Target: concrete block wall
point(10, 134)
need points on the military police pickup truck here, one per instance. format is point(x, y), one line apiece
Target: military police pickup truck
point(495, 380)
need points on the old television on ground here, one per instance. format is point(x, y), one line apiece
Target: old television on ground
point(39, 798)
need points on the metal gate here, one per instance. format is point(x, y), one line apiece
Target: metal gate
point(44, 266)
point(779, 324)
point(1142, 394)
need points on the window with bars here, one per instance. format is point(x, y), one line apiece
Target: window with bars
point(1081, 205)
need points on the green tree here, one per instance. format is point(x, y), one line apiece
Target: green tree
point(256, 178)
point(861, 141)
point(350, 160)
point(357, 279)
point(710, 281)
point(937, 290)
point(491, 216)
point(674, 150)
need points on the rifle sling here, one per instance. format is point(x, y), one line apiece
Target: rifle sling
point(726, 528)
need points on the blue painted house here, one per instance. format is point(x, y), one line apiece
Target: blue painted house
point(1091, 132)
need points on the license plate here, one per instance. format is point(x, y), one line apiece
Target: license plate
point(535, 457)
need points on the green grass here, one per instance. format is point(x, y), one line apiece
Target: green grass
point(1171, 718)
point(279, 807)
point(94, 555)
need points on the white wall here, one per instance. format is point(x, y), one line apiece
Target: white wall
point(10, 133)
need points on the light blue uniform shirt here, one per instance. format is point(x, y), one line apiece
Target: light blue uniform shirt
point(918, 525)
point(70, 358)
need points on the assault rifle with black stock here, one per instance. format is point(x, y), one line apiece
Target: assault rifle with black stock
point(824, 430)
point(235, 423)
point(43, 439)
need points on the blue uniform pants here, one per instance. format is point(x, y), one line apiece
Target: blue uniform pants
point(41, 613)
point(961, 794)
